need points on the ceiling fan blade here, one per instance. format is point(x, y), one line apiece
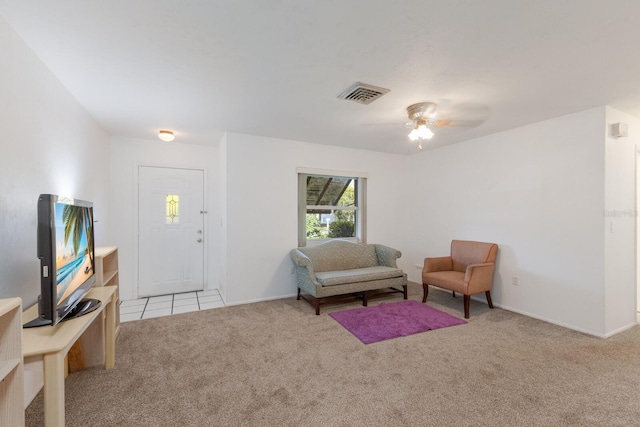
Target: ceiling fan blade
point(461, 124)
point(440, 123)
point(465, 111)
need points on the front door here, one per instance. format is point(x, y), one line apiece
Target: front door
point(170, 230)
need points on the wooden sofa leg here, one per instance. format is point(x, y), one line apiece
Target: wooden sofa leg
point(425, 292)
point(317, 304)
point(404, 293)
point(365, 300)
point(467, 298)
point(453, 293)
point(488, 294)
point(298, 298)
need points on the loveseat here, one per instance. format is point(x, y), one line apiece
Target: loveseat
point(339, 268)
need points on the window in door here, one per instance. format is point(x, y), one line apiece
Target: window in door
point(173, 209)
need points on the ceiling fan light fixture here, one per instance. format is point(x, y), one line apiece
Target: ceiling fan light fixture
point(420, 115)
point(166, 135)
point(420, 132)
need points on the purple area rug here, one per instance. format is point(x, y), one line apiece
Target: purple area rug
point(397, 319)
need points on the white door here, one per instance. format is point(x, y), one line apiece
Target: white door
point(170, 230)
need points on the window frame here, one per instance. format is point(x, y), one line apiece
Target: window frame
point(360, 181)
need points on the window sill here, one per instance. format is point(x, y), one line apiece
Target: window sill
point(317, 242)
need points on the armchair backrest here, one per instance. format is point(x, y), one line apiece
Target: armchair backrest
point(465, 252)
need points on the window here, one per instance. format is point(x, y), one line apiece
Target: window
point(329, 207)
point(173, 205)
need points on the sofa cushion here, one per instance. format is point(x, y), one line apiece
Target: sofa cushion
point(341, 255)
point(342, 277)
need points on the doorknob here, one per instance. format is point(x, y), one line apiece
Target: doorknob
point(199, 240)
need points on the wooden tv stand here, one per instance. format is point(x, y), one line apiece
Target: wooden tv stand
point(48, 346)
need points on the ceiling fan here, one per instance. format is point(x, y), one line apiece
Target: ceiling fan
point(423, 118)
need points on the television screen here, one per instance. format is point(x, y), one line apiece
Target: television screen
point(73, 225)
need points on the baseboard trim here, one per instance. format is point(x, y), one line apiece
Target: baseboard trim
point(477, 299)
point(554, 322)
point(251, 301)
point(480, 299)
point(622, 329)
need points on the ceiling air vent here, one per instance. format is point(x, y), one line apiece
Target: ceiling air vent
point(363, 93)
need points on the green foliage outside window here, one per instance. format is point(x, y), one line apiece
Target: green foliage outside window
point(348, 199)
point(314, 228)
point(342, 228)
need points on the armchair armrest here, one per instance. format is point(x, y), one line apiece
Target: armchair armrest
point(444, 263)
point(387, 256)
point(479, 276)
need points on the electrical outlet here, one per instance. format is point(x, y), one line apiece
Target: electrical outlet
point(516, 281)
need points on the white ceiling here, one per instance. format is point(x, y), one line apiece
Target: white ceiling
point(275, 67)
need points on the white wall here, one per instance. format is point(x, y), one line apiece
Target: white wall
point(221, 241)
point(262, 207)
point(126, 155)
point(50, 145)
point(537, 191)
point(620, 223)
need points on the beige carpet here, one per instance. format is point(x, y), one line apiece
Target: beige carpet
point(277, 364)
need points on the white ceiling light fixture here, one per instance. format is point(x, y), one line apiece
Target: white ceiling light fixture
point(421, 115)
point(420, 132)
point(166, 135)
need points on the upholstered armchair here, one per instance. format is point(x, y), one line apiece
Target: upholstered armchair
point(468, 270)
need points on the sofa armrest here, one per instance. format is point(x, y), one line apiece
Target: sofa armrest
point(479, 276)
point(304, 267)
point(387, 256)
point(444, 263)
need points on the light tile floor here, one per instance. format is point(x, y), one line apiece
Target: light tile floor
point(165, 305)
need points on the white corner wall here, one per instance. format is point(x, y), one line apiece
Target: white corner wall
point(537, 191)
point(220, 255)
point(125, 157)
point(50, 145)
point(261, 211)
point(620, 221)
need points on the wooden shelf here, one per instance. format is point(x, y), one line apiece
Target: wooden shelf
point(85, 352)
point(11, 363)
point(107, 274)
point(45, 349)
point(6, 366)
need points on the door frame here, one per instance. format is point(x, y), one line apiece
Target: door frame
point(136, 217)
point(637, 230)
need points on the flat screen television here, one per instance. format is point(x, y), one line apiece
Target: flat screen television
point(67, 259)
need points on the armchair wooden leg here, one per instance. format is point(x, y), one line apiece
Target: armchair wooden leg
point(404, 293)
point(298, 298)
point(425, 292)
point(488, 294)
point(365, 298)
point(467, 298)
point(453, 293)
